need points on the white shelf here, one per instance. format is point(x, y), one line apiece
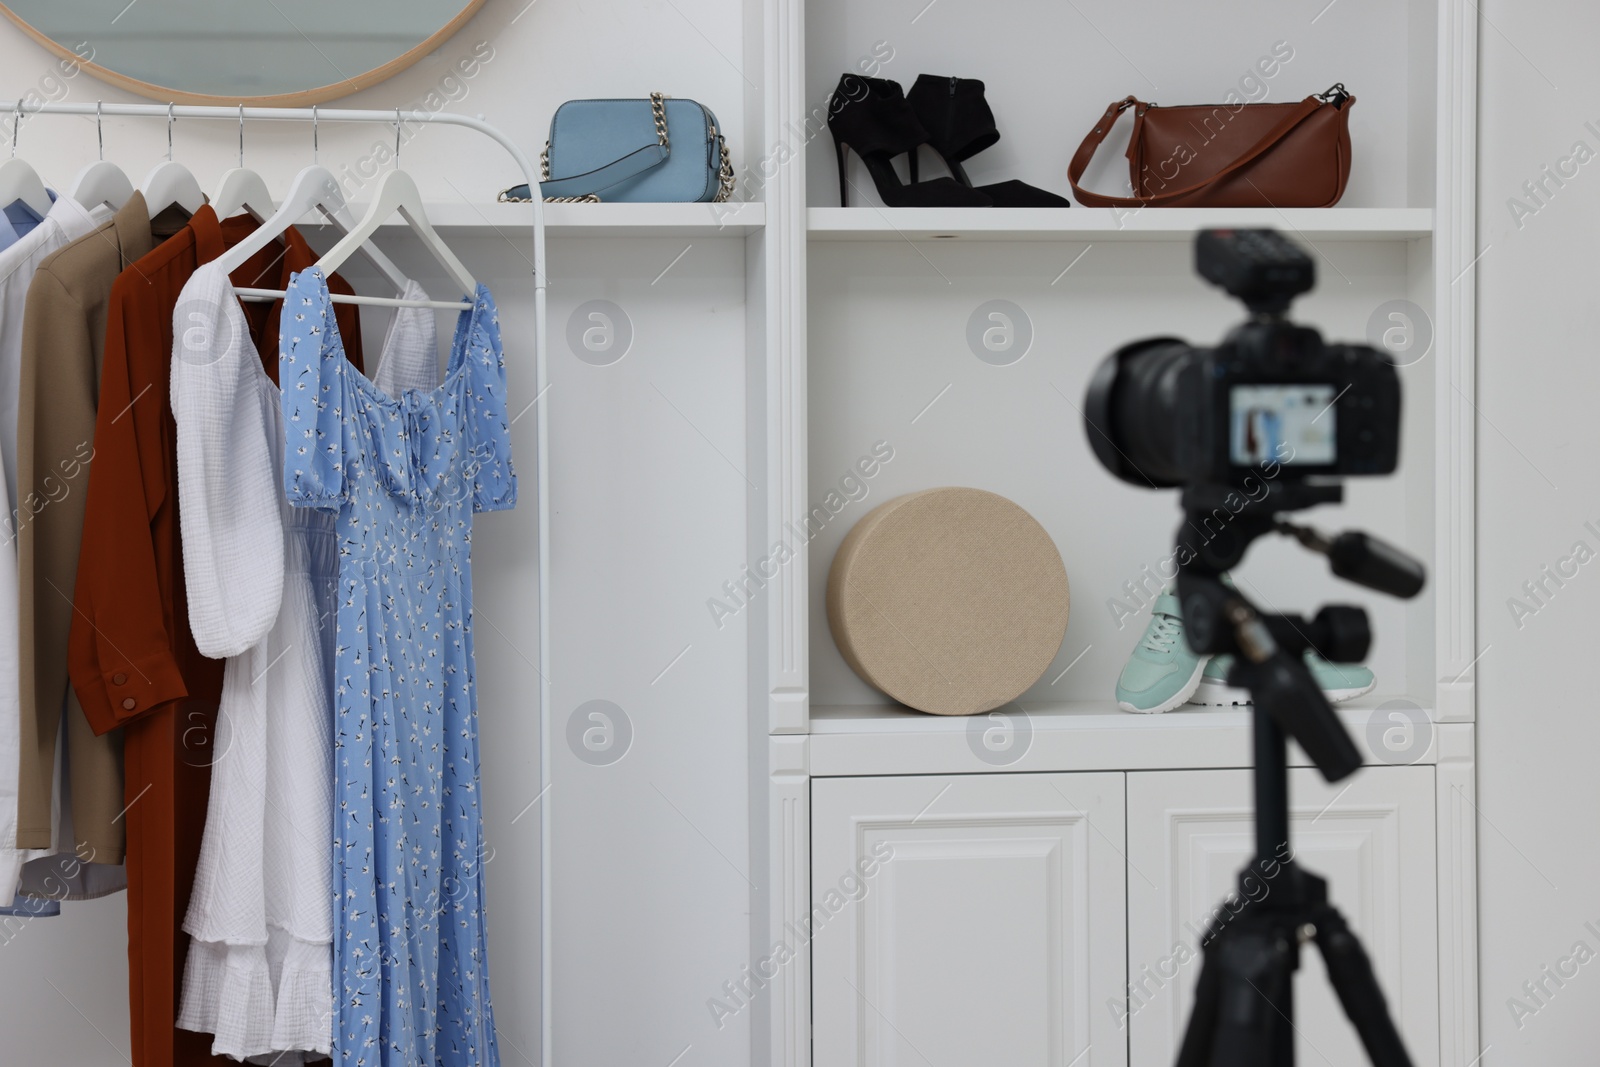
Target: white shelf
point(589, 220)
point(1072, 736)
point(1108, 224)
point(645, 220)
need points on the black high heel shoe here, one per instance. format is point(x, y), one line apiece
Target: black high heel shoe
point(871, 116)
point(960, 125)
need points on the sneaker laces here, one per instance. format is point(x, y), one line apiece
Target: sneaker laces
point(1163, 632)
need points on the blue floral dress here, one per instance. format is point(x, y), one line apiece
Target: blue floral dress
point(404, 475)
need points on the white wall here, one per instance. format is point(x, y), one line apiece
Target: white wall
point(1538, 791)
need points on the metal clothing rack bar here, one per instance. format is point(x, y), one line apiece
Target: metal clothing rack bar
point(315, 115)
point(361, 301)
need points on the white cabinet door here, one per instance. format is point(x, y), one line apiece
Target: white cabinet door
point(969, 920)
point(1371, 836)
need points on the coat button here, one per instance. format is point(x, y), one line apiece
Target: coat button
point(119, 678)
point(130, 703)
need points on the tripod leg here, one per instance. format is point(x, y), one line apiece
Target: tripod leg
point(1197, 1037)
point(1243, 1005)
point(1350, 972)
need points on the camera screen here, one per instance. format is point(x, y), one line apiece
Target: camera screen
point(1288, 424)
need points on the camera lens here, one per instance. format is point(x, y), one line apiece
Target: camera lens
point(1133, 411)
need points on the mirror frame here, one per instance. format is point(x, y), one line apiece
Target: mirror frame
point(317, 95)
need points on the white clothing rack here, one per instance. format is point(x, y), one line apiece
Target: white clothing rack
point(315, 115)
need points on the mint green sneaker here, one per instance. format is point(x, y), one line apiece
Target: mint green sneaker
point(1339, 681)
point(1162, 672)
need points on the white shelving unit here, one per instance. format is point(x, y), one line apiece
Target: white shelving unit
point(870, 306)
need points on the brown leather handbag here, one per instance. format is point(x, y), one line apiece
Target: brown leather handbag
point(1228, 155)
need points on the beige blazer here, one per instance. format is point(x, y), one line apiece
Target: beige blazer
point(64, 334)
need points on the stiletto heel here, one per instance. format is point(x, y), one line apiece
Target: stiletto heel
point(871, 116)
point(959, 124)
point(844, 184)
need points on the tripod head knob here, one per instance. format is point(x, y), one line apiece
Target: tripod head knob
point(1269, 661)
point(1363, 559)
point(1340, 633)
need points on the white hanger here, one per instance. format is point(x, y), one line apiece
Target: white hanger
point(171, 184)
point(18, 181)
point(242, 189)
point(313, 189)
point(101, 182)
point(397, 192)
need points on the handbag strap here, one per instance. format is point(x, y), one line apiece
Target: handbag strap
point(1086, 150)
point(580, 188)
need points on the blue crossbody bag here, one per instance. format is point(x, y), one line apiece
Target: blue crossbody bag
point(656, 151)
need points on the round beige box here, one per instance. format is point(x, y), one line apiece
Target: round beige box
point(951, 601)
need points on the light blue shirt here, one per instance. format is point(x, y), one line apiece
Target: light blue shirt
point(33, 908)
point(19, 219)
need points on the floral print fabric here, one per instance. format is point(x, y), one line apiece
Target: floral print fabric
point(404, 475)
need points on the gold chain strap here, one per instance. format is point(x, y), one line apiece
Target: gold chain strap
point(658, 111)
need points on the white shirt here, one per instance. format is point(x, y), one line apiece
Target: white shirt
point(66, 221)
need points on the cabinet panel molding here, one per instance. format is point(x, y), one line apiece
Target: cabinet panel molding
point(968, 919)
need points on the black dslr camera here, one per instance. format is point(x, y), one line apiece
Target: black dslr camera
point(1262, 424)
point(1164, 413)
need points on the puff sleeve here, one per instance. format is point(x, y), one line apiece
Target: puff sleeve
point(494, 480)
point(228, 495)
point(313, 398)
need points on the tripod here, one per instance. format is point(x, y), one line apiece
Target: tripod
point(1244, 1004)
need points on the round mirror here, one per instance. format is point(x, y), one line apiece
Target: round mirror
point(283, 52)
